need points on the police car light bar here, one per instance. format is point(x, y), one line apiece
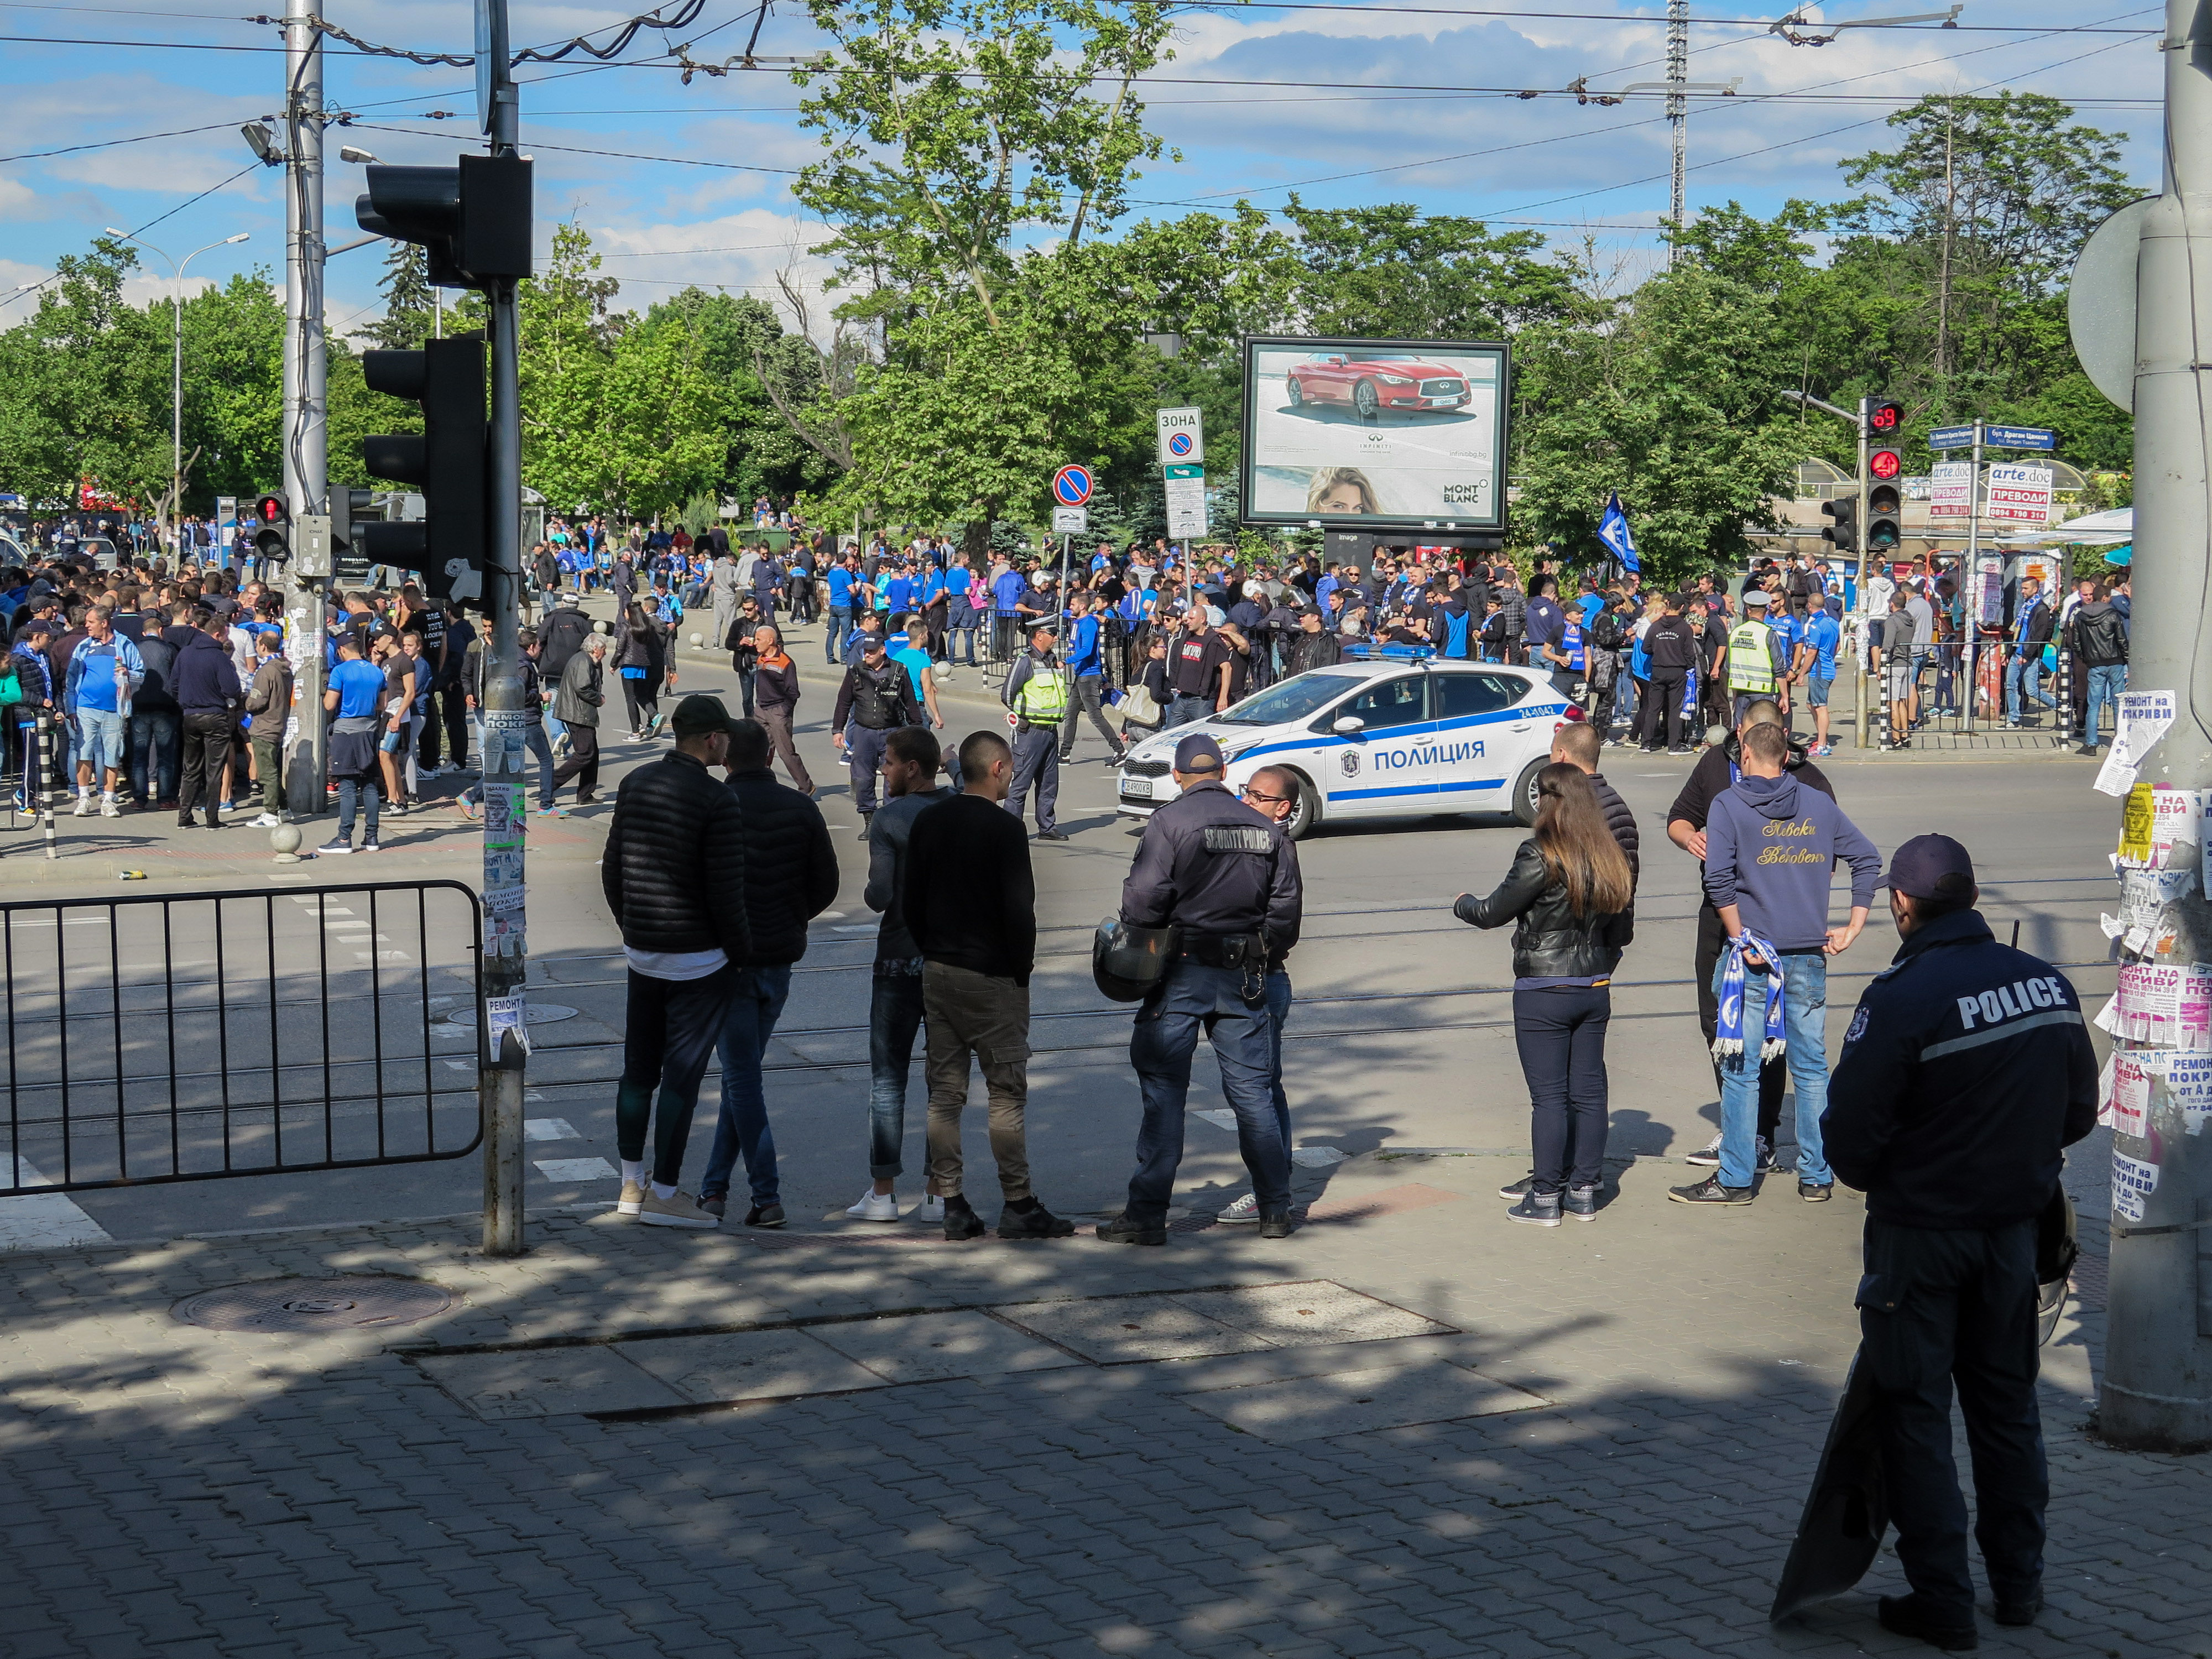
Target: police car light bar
point(1363, 652)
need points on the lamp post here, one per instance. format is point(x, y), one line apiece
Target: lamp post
point(176, 370)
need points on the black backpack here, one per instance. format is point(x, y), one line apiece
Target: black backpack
point(1606, 633)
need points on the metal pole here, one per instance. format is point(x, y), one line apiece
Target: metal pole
point(504, 1047)
point(306, 469)
point(1866, 604)
point(1970, 574)
point(177, 407)
point(2157, 1389)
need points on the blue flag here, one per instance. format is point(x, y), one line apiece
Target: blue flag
point(1613, 532)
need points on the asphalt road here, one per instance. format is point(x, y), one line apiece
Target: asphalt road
point(1401, 1039)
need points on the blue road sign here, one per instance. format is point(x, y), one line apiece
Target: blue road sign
point(2020, 437)
point(1951, 437)
point(1071, 485)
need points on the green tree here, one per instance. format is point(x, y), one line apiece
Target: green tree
point(410, 304)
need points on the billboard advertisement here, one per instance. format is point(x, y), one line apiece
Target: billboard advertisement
point(1375, 433)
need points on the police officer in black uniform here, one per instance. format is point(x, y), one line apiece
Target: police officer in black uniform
point(1965, 1069)
point(1220, 873)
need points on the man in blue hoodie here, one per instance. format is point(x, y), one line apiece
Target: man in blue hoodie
point(1771, 849)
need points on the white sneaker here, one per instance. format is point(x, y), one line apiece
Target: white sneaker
point(1708, 1157)
point(108, 809)
point(83, 807)
point(267, 821)
point(932, 1208)
point(1246, 1208)
point(875, 1206)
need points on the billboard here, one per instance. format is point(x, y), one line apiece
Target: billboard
point(1375, 433)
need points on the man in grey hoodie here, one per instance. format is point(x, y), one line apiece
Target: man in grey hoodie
point(1772, 845)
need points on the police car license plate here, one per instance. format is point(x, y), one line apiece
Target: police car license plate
point(1137, 788)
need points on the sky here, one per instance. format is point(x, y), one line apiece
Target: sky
point(1349, 104)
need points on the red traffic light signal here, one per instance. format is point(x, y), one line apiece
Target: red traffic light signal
point(272, 509)
point(1885, 463)
point(1884, 419)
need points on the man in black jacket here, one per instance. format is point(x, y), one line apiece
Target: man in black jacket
point(1967, 1069)
point(1672, 650)
point(970, 904)
point(2099, 634)
point(875, 700)
point(1220, 873)
point(208, 692)
point(674, 875)
point(791, 876)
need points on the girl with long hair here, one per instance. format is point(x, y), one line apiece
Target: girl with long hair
point(640, 656)
point(1569, 894)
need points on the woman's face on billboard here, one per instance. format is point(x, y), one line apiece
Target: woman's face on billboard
point(1344, 496)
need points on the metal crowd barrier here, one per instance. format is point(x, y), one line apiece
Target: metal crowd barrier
point(190, 1036)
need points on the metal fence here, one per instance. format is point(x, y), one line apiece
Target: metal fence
point(1979, 686)
point(194, 1035)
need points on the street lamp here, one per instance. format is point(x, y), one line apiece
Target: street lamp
point(176, 368)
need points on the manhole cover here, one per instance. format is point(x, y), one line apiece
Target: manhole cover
point(538, 1013)
point(314, 1304)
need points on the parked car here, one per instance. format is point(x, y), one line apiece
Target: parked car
point(1370, 385)
point(1394, 739)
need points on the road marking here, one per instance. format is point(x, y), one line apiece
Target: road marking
point(1218, 1118)
point(548, 1128)
point(576, 1168)
point(40, 1221)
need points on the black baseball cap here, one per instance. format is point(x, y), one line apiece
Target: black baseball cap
point(1931, 867)
point(1198, 753)
point(700, 715)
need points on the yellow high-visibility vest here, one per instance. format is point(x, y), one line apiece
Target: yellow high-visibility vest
point(1041, 699)
point(1751, 657)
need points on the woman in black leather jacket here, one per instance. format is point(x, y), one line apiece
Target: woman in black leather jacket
point(1570, 896)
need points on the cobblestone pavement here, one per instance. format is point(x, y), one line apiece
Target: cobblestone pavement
point(1499, 1440)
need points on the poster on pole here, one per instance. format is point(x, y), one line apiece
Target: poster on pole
point(1951, 490)
point(1185, 494)
point(1375, 433)
point(2019, 493)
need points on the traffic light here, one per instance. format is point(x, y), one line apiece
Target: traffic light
point(1885, 421)
point(273, 530)
point(473, 219)
point(445, 461)
point(1885, 526)
point(1844, 533)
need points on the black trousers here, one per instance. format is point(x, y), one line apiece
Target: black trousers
point(1662, 700)
point(670, 1032)
point(1939, 1310)
point(1773, 1074)
point(1560, 1032)
point(582, 764)
point(1089, 695)
point(206, 752)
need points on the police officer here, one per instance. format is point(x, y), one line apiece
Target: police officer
point(875, 700)
point(1272, 793)
point(1221, 873)
point(1036, 691)
point(1965, 1070)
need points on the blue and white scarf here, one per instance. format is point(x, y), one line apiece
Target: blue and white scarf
point(1727, 1028)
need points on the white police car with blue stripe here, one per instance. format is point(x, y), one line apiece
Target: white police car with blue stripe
point(1402, 737)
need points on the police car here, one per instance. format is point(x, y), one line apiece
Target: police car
point(1405, 736)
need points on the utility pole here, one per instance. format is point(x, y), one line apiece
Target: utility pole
point(1677, 107)
point(306, 429)
point(1943, 282)
point(504, 1051)
point(2157, 1389)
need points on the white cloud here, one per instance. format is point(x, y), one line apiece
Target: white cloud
point(743, 252)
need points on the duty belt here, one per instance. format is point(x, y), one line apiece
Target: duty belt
point(1226, 950)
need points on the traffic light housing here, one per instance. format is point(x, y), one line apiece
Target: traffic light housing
point(1844, 533)
point(1885, 421)
point(447, 461)
point(473, 219)
point(1885, 526)
point(272, 529)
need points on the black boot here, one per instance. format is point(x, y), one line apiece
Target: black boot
point(1027, 1219)
point(1125, 1229)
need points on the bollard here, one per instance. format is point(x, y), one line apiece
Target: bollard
point(44, 800)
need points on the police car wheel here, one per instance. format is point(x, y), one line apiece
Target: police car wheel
point(1524, 793)
point(1305, 811)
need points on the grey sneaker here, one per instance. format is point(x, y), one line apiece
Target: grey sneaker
point(1518, 1189)
point(1707, 1157)
point(1581, 1203)
point(1537, 1209)
point(676, 1210)
point(1246, 1208)
point(717, 1206)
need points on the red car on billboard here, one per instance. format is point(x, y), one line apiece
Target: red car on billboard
point(1369, 386)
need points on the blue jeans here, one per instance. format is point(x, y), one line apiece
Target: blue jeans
point(2023, 682)
point(2107, 681)
point(1279, 1012)
point(893, 1018)
point(1805, 1025)
point(1189, 999)
point(757, 996)
point(841, 623)
point(350, 792)
point(154, 737)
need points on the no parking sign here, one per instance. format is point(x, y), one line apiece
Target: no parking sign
point(1071, 485)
